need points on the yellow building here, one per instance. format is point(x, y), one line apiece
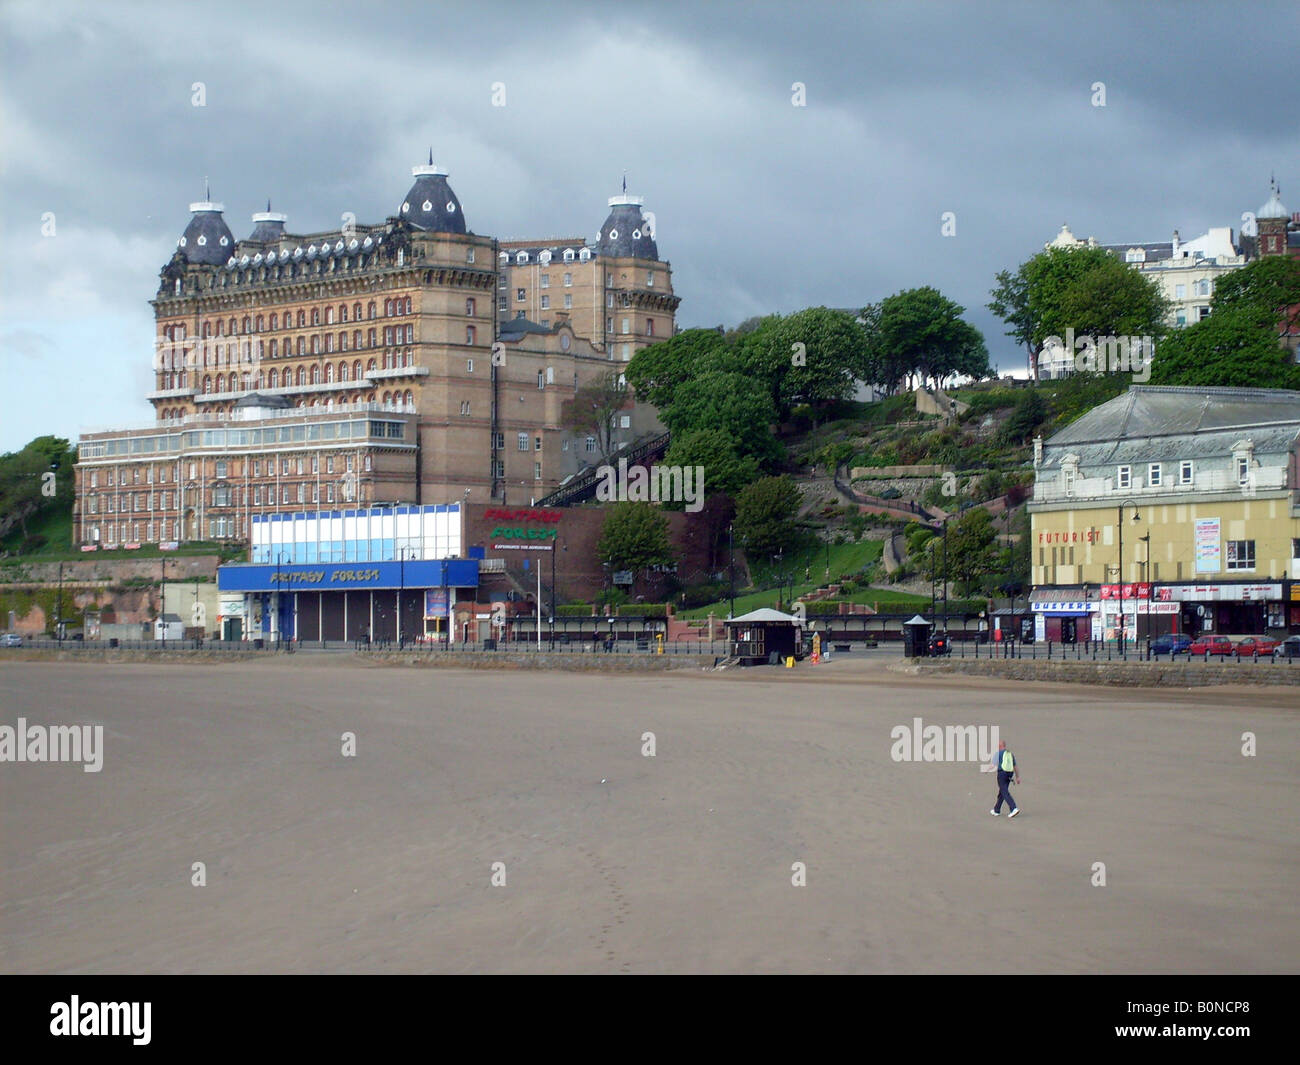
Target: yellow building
point(1170, 509)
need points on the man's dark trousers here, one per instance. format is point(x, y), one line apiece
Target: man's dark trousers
point(1004, 781)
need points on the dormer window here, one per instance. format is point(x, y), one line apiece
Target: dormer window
point(522, 257)
point(568, 255)
point(584, 255)
point(1124, 477)
point(1135, 255)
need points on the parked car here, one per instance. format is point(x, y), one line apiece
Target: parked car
point(11, 639)
point(1256, 645)
point(940, 644)
point(1212, 645)
point(1289, 648)
point(1171, 643)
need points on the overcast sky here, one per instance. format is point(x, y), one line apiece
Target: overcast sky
point(912, 110)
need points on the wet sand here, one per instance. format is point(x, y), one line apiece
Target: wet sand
point(617, 862)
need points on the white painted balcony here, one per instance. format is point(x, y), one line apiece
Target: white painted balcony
point(1053, 489)
point(397, 371)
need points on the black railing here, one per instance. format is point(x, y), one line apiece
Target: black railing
point(880, 501)
point(585, 484)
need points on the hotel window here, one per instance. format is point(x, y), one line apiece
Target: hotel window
point(1243, 470)
point(568, 301)
point(1124, 477)
point(469, 255)
point(609, 299)
point(257, 467)
point(1180, 292)
point(94, 478)
point(1185, 470)
point(609, 325)
point(94, 504)
point(315, 493)
point(541, 380)
point(149, 475)
point(591, 443)
point(469, 307)
point(410, 334)
point(1240, 554)
point(627, 325)
point(498, 468)
point(649, 327)
point(221, 468)
point(546, 303)
point(370, 309)
point(523, 441)
point(315, 316)
point(284, 493)
point(1153, 474)
point(300, 466)
point(191, 472)
point(329, 493)
point(471, 335)
point(502, 280)
point(464, 408)
point(284, 467)
point(627, 352)
point(521, 295)
point(537, 443)
point(302, 498)
point(503, 304)
point(135, 475)
point(537, 471)
point(568, 278)
point(257, 495)
point(546, 280)
point(350, 459)
point(370, 338)
point(650, 279)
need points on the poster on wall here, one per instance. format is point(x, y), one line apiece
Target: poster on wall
point(435, 603)
point(1207, 545)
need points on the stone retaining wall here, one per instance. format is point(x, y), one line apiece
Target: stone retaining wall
point(1163, 674)
point(592, 663)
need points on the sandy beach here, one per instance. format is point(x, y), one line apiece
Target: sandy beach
point(618, 862)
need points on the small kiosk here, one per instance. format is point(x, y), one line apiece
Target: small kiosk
point(765, 636)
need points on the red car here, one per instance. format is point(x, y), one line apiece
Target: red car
point(1214, 645)
point(1257, 645)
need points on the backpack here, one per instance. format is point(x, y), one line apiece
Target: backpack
point(1008, 763)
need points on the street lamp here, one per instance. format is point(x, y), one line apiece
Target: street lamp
point(1119, 526)
point(59, 630)
point(401, 594)
point(554, 545)
point(731, 548)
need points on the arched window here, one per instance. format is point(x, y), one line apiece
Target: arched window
point(302, 318)
point(273, 349)
point(343, 371)
point(207, 330)
point(315, 316)
point(261, 322)
point(329, 341)
point(231, 382)
point(301, 343)
point(356, 370)
point(408, 304)
point(261, 378)
point(356, 312)
point(370, 339)
point(356, 339)
point(370, 312)
point(343, 312)
point(220, 383)
point(275, 320)
point(314, 376)
point(388, 401)
point(315, 344)
point(329, 373)
point(275, 379)
point(410, 400)
point(370, 366)
point(469, 307)
point(343, 342)
point(329, 315)
point(302, 376)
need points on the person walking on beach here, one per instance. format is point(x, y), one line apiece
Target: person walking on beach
point(1007, 768)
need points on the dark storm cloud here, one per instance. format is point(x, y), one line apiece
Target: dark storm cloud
point(912, 110)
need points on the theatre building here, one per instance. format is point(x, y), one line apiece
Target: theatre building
point(1170, 510)
point(384, 573)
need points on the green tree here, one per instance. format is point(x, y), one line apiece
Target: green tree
point(733, 403)
point(1027, 415)
point(656, 371)
point(1272, 284)
point(634, 537)
point(765, 515)
point(919, 333)
point(811, 356)
point(1236, 345)
point(972, 554)
point(1085, 289)
point(27, 477)
point(724, 469)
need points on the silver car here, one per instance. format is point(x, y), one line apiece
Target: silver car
point(11, 639)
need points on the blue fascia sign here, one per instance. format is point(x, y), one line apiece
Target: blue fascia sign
point(348, 576)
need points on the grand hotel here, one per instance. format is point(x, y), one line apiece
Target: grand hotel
point(409, 361)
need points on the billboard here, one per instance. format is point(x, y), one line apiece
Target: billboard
point(1207, 545)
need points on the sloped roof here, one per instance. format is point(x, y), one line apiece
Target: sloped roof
point(765, 614)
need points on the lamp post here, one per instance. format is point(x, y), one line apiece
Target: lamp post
point(1119, 527)
point(731, 549)
point(945, 564)
point(554, 544)
point(401, 589)
point(59, 629)
point(162, 601)
point(279, 612)
point(1136, 620)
